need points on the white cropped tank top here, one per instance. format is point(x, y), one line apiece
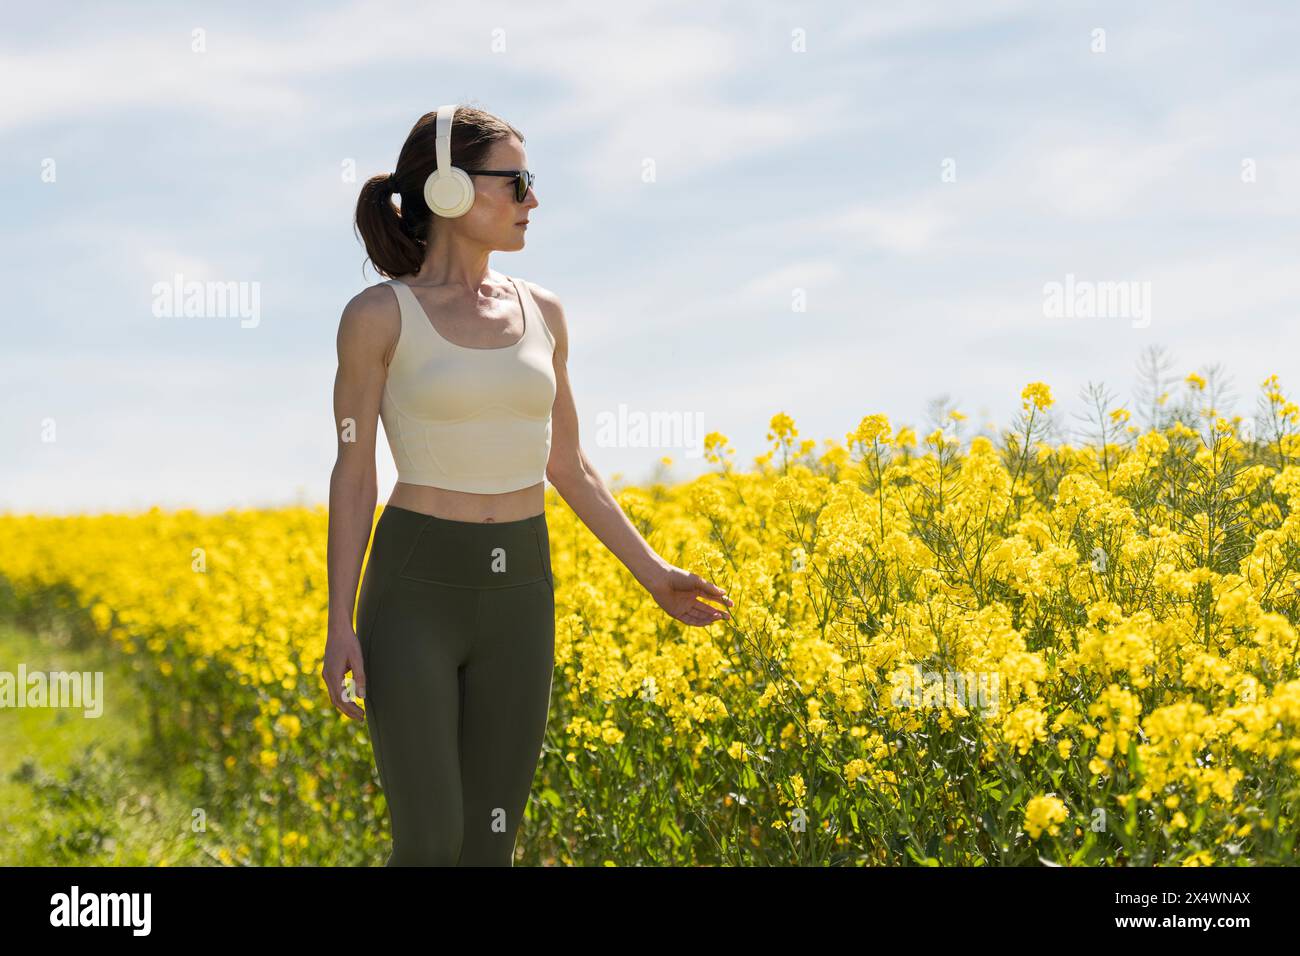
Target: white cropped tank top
point(465, 418)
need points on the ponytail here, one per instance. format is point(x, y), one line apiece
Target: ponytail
point(386, 233)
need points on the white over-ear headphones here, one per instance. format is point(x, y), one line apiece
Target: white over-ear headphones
point(449, 192)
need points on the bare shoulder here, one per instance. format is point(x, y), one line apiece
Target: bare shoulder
point(371, 321)
point(552, 312)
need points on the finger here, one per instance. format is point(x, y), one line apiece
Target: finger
point(710, 595)
point(359, 678)
point(349, 707)
point(353, 711)
point(717, 592)
point(699, 615)
point(708, 610)
point(717, 612)
point(338, 697)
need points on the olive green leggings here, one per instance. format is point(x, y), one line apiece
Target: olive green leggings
point(456, 622)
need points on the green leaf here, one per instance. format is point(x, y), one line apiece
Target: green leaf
point(911, 851)
point(668, 828)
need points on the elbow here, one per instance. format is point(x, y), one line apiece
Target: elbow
point(558, 478)
point(562, 474)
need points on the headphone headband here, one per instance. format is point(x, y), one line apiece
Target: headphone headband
point(442, 136)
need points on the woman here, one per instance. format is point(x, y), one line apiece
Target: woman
point(454, 643)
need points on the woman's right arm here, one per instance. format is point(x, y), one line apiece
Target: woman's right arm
point(368, 330)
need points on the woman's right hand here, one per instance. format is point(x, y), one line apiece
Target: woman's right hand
point(343, 655)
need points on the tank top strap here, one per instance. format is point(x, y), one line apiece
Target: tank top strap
point(406, 301)
point(534, 316)
point(415, 321)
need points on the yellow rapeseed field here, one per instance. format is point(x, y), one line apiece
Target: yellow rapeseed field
point(946, 650)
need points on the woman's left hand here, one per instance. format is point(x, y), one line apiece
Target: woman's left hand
point(679, 592)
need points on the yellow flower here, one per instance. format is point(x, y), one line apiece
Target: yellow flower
point(1044, 813)
point(782, 428)
point(800, 789)
point(1037, 394)
point(872, 428)
point(716, 447)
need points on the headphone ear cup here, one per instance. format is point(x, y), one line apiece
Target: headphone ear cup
point(449, 192)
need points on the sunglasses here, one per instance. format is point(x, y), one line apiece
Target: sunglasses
point(523, 179)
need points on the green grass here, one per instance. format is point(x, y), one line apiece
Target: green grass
point(79, 791)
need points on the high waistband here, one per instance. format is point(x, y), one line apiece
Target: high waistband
point(472, 554)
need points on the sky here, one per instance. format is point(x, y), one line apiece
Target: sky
point(828, 210)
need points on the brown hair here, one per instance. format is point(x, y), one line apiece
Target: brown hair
point(395, 239)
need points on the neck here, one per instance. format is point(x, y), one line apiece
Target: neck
point(455, 263)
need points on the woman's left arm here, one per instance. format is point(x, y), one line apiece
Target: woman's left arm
point(678, 591)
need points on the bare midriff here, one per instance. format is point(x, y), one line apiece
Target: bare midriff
point(468, 506)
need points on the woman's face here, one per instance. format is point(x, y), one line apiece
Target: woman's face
point(495, 219)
